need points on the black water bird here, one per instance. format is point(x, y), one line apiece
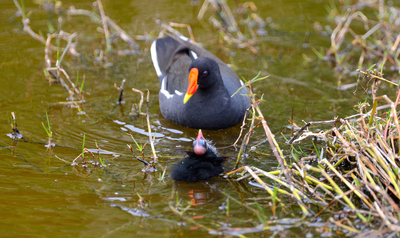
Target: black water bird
point(201, 164)
point(208, 82)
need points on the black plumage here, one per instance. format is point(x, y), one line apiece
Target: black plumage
point(208, 82)
point(201, 164)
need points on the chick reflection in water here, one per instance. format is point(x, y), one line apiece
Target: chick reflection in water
point(200, 193)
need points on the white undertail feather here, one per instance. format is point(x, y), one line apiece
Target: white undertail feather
point(153, 51)
point(163, 89)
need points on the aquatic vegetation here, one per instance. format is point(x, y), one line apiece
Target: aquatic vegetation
point(357, 167)
point(365, 33)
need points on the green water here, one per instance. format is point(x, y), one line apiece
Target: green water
point(42, 195)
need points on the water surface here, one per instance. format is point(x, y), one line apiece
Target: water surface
point(42, 195)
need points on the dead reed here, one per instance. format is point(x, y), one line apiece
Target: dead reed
point(357, 169)
point(55, 53)
point(231, 24)
point(366, 32)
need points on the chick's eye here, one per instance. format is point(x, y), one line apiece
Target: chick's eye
point(202, 142)
point(204, 74)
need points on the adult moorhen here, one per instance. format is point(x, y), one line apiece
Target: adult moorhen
point(203, 163)
point(208, 82)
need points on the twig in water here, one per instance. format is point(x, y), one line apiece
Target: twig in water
point(149, 128)
point(82, 155)
point(374, 75)
point(241, 127)
point(109, 23)
point(291, 141)
point(252, 127)
point(105, 27)
point(15, 132)
point(26, 21)
point(141, 160)
point(58, 67)
point(139, 111)
point(227, 25)
point(245, 142)
point(121, 91)
point(169, 27)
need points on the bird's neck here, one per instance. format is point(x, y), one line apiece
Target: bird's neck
point(216, 89)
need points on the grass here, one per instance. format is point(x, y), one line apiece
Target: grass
point(357, 168)
point(377, 41)
point(98, 149)
point(48, 129)
point(261, 215)
point(139, 147)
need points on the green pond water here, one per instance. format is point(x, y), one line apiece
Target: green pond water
point(42, 195)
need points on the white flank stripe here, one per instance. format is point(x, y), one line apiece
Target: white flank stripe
point(163, 89)
point(153, 51)
point(193, 54)
point(178, 93)
point(241, 82)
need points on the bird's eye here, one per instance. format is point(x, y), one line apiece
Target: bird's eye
point(205, 73)
point(203, 143)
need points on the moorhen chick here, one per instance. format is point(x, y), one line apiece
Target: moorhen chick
point(196, 86)
point(201, 164)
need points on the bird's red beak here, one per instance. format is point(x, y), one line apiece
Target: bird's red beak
point(200, 135)
point(193, 76)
